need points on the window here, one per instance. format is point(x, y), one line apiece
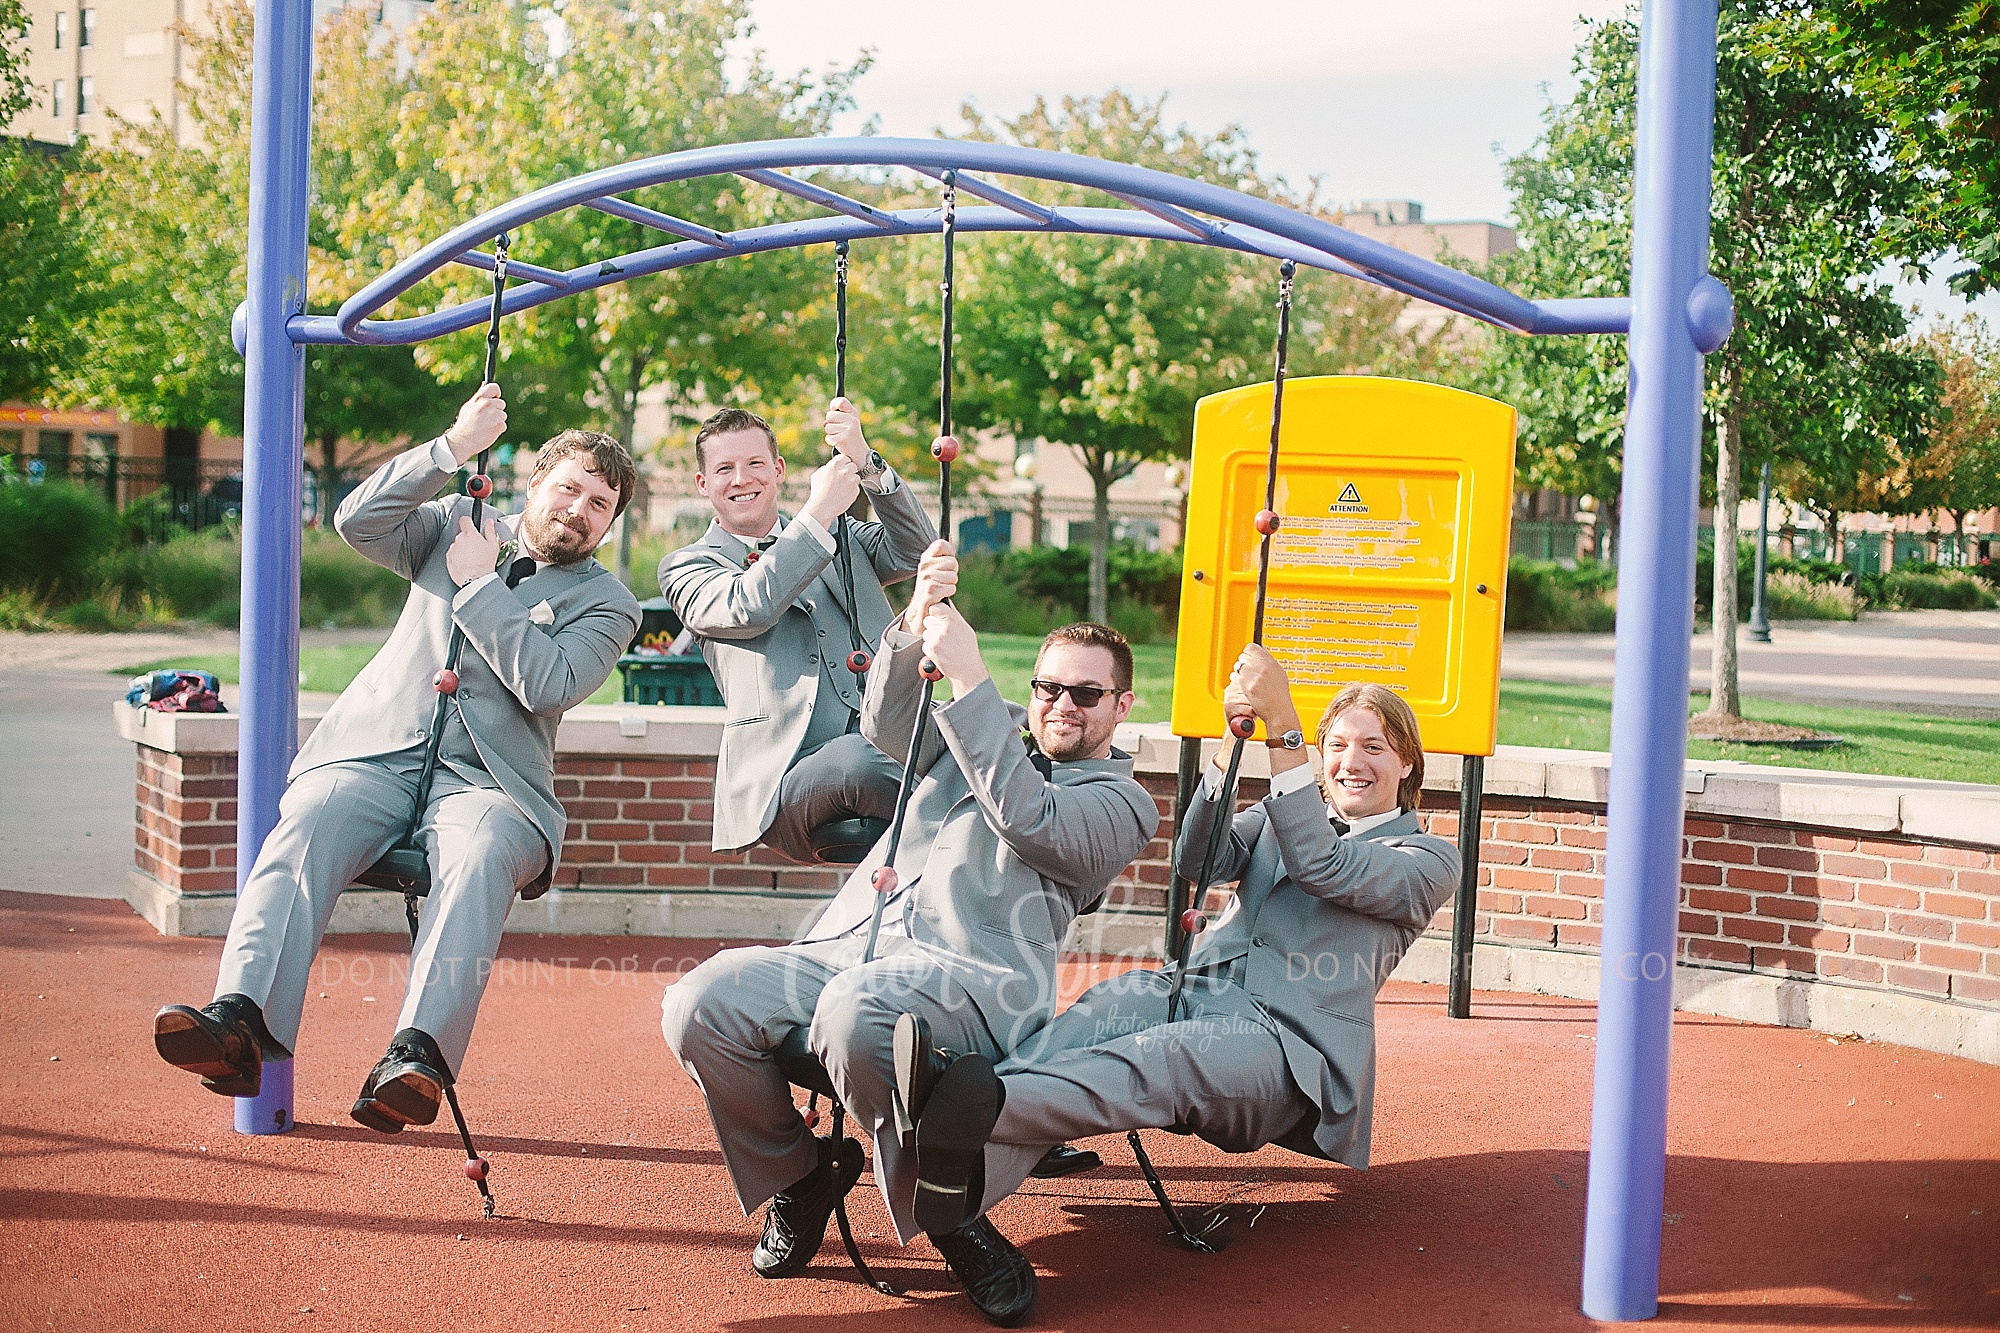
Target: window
point(53, 444)
point(62, 32)
point(86, 93)
point(56, 101)
point(89, 34)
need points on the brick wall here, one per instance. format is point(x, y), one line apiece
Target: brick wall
point(1780, 900)
point(1771, 899)
point(185, 834)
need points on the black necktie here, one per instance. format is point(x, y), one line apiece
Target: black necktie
point(758, 547)
point(1340, 826)
point(520, 569)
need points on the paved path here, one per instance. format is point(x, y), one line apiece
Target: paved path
point(66, 782)
point(1930, 661)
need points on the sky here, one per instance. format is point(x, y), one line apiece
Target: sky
point(1379, 100)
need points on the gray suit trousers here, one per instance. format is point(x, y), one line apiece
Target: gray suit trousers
point(841, 779)
point(1110, 1062)
point(334, 821)
point(724, 1019)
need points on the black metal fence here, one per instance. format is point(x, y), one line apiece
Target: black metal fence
point(161, 495)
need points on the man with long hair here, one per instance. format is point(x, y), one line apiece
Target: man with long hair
point(1275, 1038)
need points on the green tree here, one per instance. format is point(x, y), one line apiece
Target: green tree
point(1929, 71)
point(1814, 369)
point(1960, 472)
point(495, 101)
point(1105, 344)
point(48, 280)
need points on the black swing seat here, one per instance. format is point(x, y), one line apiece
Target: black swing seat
point(799, 1065)
point(846, 842)
point(402, 869)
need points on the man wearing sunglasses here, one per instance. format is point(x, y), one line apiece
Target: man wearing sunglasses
point(1274, 1039)
point(1019, 820)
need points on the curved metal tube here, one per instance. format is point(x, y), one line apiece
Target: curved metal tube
point(1163, 205)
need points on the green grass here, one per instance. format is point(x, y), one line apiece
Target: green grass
point(1905, 744)
point(1010, 657)
point(1569, 717)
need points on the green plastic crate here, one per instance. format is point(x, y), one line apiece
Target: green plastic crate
point(651, 678)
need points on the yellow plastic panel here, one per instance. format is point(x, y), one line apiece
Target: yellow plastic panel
point(1397, 500)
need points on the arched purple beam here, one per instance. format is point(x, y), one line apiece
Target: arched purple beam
point(1167, 209)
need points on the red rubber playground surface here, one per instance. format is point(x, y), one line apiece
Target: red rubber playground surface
point(1812, 1183)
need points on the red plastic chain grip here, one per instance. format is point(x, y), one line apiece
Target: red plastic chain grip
point(1243, 728)
point(1267, 522)
point(859, 661)
point(885, 880)
point(445, 681)
point(1193, 922)
point(479, 486)
point(930, 670)
point(946, 448)
point(476, 1168)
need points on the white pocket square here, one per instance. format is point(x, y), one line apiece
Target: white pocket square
point(543, 614)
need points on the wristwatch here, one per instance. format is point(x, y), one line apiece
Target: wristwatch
point(874, 468)
point(1291, 740)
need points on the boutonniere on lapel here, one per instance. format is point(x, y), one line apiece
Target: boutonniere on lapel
point(757, 548)
point(508, 550)
point(543, 613)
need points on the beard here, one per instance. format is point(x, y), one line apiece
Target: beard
point(1067, 746)
point(553, 539)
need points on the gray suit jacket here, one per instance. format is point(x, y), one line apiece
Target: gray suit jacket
point(1320, 922)
point(769, 628)
point(517, 678)
point(995, 860)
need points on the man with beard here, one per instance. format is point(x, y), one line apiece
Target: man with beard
point(1008, 838)
point(1274, 1037)
point(544, 624)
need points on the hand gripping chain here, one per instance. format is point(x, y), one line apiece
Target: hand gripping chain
point(1193, 922)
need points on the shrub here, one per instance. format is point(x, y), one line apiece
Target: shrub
point(996, 604)
point(51, 536)
point(20, 610)
point(1917, 589)
point(1543, 595)
point(1793, 596)
point(340, 586)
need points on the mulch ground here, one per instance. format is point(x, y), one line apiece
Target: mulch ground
point(1812, 1183)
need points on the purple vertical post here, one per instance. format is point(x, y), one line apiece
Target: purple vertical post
point(1628, 1128)
point(273, 417)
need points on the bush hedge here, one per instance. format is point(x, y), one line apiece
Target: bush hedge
point(1545, 595)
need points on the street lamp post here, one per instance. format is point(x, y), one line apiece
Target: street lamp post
point(1760, 623)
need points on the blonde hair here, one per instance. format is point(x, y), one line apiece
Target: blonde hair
point(1399, 724)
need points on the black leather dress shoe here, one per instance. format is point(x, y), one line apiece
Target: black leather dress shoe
point(795, 1223)
point(919, 1064)
point(997, 1276)
point(224, 1042)
point(952, 1131)
point(1063, 1160)
point(404, 1086)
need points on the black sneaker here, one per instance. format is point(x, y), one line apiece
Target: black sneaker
point(997, 1276)
point(795, 1222)
point(919, 1065)
point(1063, 1160)
point(224, 1042)
point(404, 1086)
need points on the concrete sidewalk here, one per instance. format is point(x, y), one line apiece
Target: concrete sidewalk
point(1943, 662)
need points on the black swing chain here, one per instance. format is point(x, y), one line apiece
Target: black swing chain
point(1225, 805)
point(858, 657)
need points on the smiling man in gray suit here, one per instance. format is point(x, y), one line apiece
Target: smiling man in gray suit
point(544, 623)
point(769, 602)
point(1276, 1039)
point(1008, 838)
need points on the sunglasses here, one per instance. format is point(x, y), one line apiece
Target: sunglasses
point(1083, 696)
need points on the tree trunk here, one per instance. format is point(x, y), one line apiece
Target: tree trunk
point(1723, 700)
point(329, 478)
point(1100, 536)
point(627, 423)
